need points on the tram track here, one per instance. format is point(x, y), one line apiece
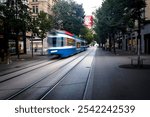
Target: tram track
point(64, 76)
point(15, 95)
point(22, 68)
point(14, 66)
point(32, 69)
point(25, 66)
point(35, 80)
point(11, 76)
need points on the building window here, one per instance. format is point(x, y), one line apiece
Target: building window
point(37, 9)
point(33, 9)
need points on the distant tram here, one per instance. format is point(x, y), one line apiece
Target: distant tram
point(64, 44)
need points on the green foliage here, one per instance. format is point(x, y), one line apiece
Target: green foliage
point(41, 25)
point(14, 15)
point(14, 18)
point(68, 15)
point(44, 23)
point(134, 9)
point(87, 34)
point(115, 16)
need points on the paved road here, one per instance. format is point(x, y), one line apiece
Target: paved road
point(110, 82)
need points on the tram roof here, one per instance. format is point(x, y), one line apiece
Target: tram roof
point(61, 35)
point(66, 34)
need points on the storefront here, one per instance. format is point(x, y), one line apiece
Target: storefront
point(13, 43)
point(147, 43)
point(145, 36)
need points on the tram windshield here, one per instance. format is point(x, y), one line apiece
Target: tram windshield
point(56, 41)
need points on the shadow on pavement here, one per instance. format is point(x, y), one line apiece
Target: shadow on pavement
point(129, 66)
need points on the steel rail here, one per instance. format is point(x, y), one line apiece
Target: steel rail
point(61, 79)
point(37, 81)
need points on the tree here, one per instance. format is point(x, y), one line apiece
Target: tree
point(115, 16)
point(44, 23)
point(14, 18)
point(87, 34)
point(136, 8)
point(68, 15)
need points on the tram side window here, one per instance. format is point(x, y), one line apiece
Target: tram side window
point(82, 44)
point(62, 42)
point(78, 44)
point(70, 42)
point(54, 42)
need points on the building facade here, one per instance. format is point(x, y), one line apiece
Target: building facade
point(23, 41)
point(41, 5)
point(130, 41)
point(36, 6)
point(145, 32)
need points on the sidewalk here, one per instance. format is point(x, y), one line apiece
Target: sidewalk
point(111, 82)
point(120, 52)
point(24, 59)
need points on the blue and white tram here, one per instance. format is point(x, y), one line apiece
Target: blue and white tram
point(63, 44)
point(83, 45)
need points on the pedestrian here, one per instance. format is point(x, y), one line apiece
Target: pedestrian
point(8, 58)
point(35, 50)
point(2, 55)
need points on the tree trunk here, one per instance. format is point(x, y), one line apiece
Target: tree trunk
point(24, 41)
point(139, 40)
point(110, 42)
point(6, 38)
point(17, 45)
point(114, 41)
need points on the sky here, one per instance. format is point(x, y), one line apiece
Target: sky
point(90, 5)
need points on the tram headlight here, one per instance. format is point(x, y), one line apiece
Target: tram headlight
point(53, 51)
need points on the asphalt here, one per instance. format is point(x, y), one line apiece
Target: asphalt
point(110, 81)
